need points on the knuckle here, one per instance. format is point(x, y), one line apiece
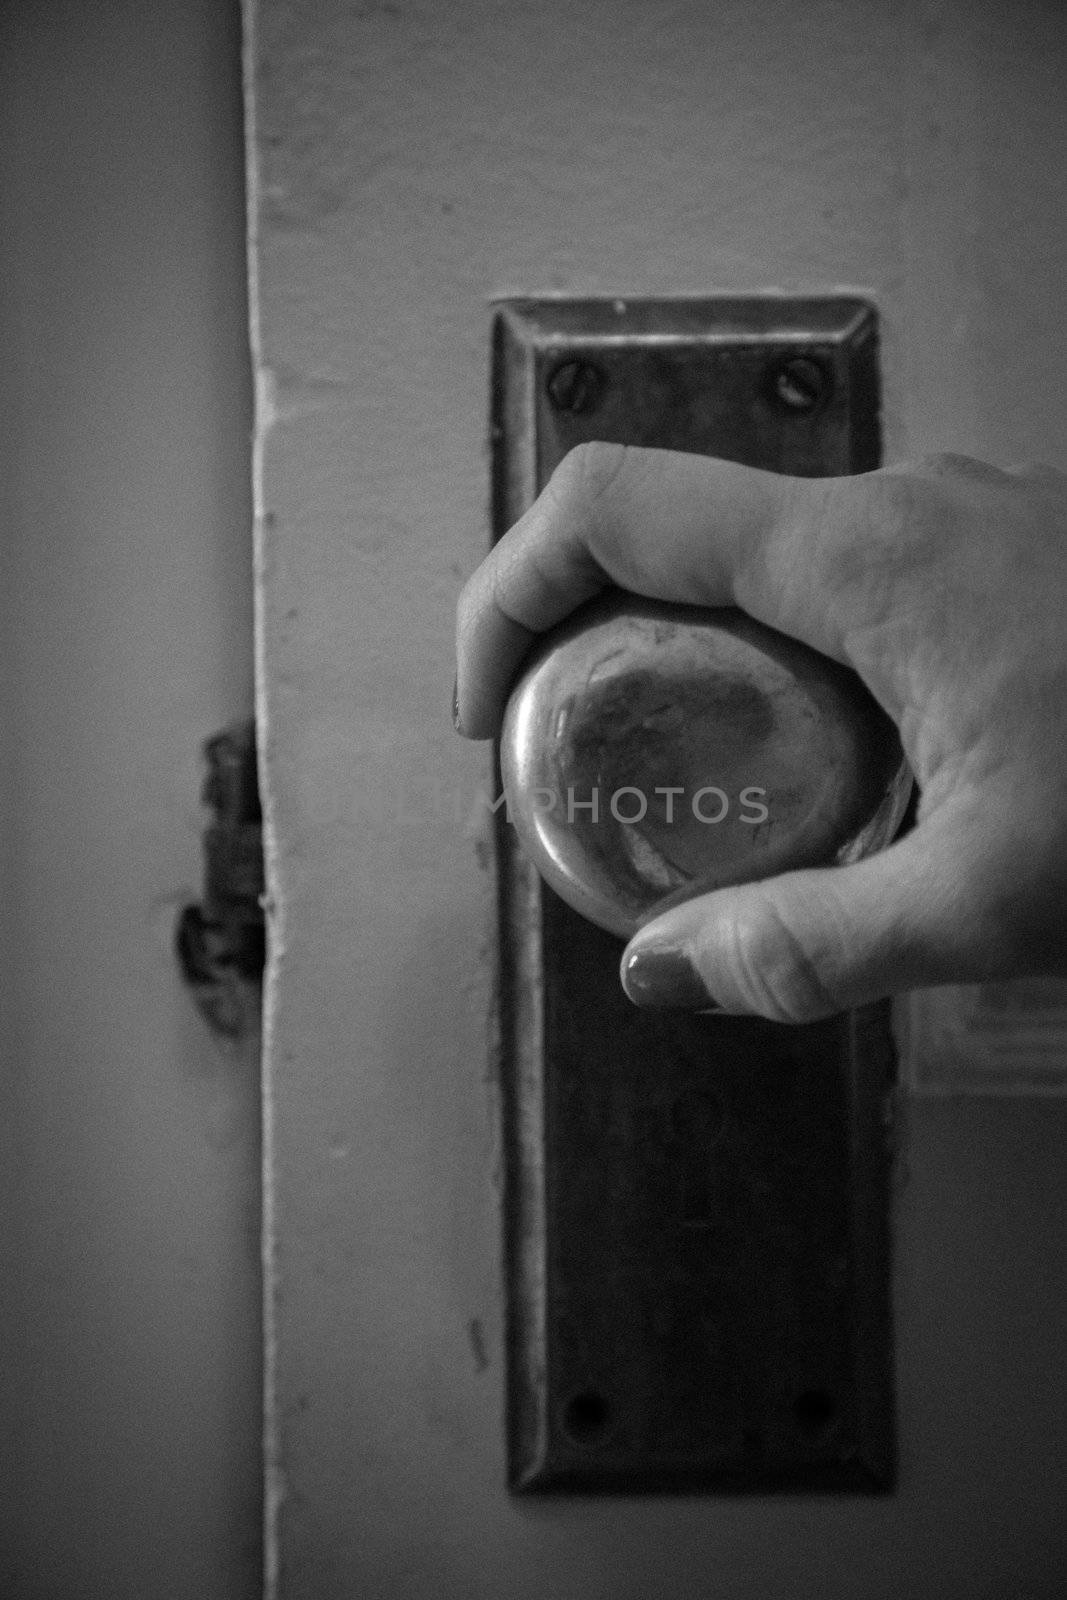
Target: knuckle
point(961, 468)
point(875, 533)
point(910, 519)
point(901, 505)
point(943, 463)
point(589, 470)
point(776, 972)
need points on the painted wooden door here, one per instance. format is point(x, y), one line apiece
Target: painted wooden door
point(410, 162)
point(129, 1184)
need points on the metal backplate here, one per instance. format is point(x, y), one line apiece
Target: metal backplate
point(697, 1245)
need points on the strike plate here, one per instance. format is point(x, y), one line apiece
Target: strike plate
point(696, 1208)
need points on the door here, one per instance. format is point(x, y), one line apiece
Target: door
point(129, 1136)
point(409, 165)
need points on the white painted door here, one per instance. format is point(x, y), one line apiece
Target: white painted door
point(410, 163)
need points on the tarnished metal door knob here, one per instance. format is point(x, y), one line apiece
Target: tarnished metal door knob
point(651, 752)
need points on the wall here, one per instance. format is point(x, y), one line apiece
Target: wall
point(129, 1307)
point(410, 162)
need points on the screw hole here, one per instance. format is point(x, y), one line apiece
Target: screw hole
point(586, 1416)
point(814, 1411)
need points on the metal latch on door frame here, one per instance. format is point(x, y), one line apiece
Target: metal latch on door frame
point(221, 940)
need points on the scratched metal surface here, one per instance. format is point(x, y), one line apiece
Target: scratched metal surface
point(696, 1212)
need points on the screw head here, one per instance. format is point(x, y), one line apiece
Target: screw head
point(574, 386)
point(798, 384)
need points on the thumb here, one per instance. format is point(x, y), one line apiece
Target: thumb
point(806, 944)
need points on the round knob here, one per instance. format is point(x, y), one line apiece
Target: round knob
point(651, 752)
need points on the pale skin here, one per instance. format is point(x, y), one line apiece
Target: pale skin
point(943, 583)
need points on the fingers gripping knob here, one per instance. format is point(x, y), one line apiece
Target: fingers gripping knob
point(653, 752)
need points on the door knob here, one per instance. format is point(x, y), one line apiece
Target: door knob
point(651, 752)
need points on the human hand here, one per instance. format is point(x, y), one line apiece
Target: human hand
point(943, 584)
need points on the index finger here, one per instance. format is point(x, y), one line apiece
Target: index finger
point(660, 523)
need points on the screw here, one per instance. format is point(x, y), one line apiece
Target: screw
point(798, 384)
point(574, 386)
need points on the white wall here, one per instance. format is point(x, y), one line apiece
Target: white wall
point(414, 160)
point(129, 1326)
